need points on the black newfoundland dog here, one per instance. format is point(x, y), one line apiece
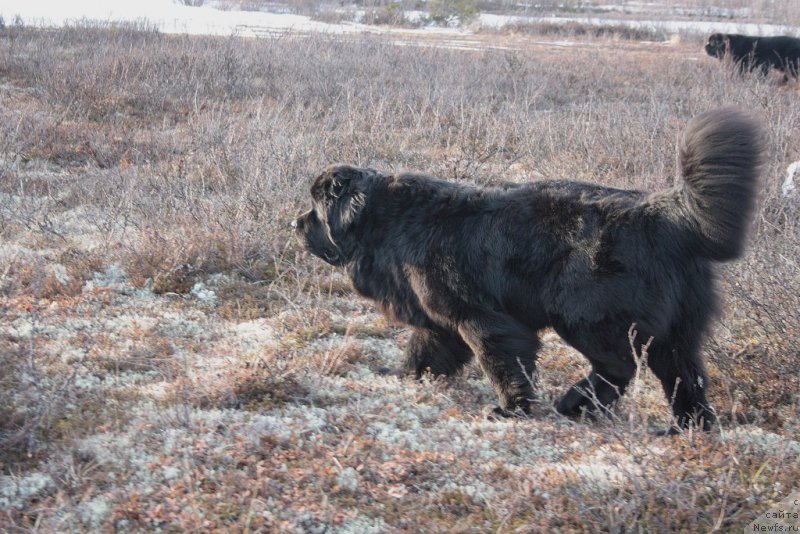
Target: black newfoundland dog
point(757, 53)
point(480, 271)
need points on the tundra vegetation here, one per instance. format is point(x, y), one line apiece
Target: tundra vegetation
point(170, 358)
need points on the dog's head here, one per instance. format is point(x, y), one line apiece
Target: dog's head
point(338, 198)
point(718, 44)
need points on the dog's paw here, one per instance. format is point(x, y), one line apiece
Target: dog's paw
point(501, 414)
point(391, 371)
point(577, 401)
point(683, 425)
point(671, 431)
point(572, 404)
point(577, 404)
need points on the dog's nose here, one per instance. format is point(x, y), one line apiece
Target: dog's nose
point(299, 223)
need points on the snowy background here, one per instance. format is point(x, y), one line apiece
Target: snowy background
point(174, 17)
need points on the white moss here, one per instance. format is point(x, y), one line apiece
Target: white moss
point(203, 294)
point(476, 490)
point(763, 439)
point(94, 511)
point(276, 428)
point(113, 278)
point(170, 472)
point(60, 273)
point(251, 335)
point(16, 492)
point(348, 479)
point(363, 525)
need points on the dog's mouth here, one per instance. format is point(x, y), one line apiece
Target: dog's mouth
point(326, 253)
point(316, 240)
point(333, 259)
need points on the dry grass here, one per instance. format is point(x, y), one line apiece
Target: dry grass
point(172, 360)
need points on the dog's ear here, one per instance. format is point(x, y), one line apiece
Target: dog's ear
point(336, 187)
point(341, 177)
point(717, 40)
point(343, 185)
point(352, 209)
point(350, 178)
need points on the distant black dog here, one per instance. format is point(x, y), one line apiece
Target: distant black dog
point(757, 53)
point(480, 271)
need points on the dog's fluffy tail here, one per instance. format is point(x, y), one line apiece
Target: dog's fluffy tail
point(719, 158)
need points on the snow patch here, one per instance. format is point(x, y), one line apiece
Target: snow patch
point(173, 17)
point(168, 16)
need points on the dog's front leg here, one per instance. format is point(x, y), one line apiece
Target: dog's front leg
point(506, 351)
point(437, 351)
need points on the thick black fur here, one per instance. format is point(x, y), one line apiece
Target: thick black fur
point(481, 271)
point(757, 53)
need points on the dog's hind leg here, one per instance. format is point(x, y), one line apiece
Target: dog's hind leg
point(607, 348)
point(596, 392)
point(437, 351)
point(506, 351)
point(678, 366)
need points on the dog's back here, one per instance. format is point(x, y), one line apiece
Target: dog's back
point(754, 52)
